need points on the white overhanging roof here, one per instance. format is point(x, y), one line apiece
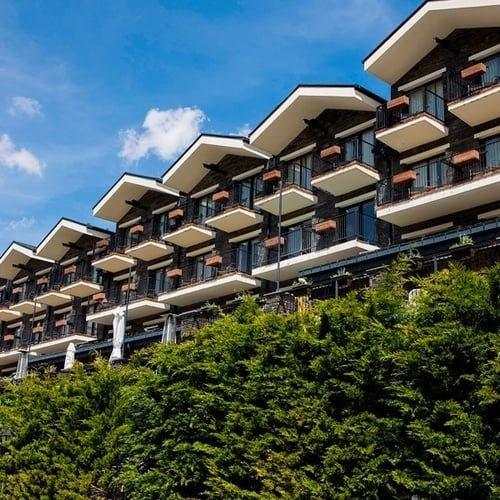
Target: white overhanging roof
point(15, 255)
point(188, 170)
point(414, 38)
point(112, 206)
point(66, 231)
point(286, 121)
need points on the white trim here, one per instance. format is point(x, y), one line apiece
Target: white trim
point(67, 262)
point(44, 271)
point(298, 219)
point(15, 325)
point(422, 80)
point(489, 215)
point(20, 281)
point(485, 53)
point(159, 265)
point(2, 288)
point(298, 152)
point(63, 310)
point(163, 209)
point(484, 134)
point(157, 321)
point(246, 236)
point(124, 276)
point(424, 155)
point(200, 251)
point(427, 230)
point(355, 129)
point(204, 192)
point(357, 199)
point(129, 223)
point(248, 173)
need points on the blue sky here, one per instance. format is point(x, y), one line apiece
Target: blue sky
point(90, 89)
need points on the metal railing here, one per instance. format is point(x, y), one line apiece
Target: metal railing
point(292, 174)
point(304, 240)
point(440, 173)
point(350, 150)
point(237, 260)
point(135, 290)
point(421, 101)
point(239, 196)
point(458, 88)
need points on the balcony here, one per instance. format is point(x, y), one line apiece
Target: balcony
point(462, 182)
point(24, 301)
point(339, 238)
point(235, 212)
point(474, 92)
point(192, 229)
point(54, 298)
point(81, 287)
point(294, 194)
point(146, 244)
point(112, 258)
point(7, 314)
point(227, 275)
point(410, 121)
point(142, 303)
point(350, 170)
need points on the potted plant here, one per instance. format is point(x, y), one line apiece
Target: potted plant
point(463, 246)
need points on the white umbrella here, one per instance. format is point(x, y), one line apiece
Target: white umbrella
point(169, 328)
point(69, 360)
point(118, 334)
point(22, 365)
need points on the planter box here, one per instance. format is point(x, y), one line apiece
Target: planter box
point(69, 270)
point(405, 177)
point(99, 296)
point(38, 329)
point(18, 289)
point(42, 281)
point(137, 229)
point(398, 103)
point(221, 196)
point(102, 244)
point(8, 338)
point(330, 152)
point(468, 156)
point(214, 261)
point(128, 286)
point(326, 225)
point(61, 322)
point(177, 213)
point(174, 273)
point(274, 242)
point(272, 175)
point(473, 71)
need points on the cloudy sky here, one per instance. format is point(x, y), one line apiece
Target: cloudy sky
point(90, 89)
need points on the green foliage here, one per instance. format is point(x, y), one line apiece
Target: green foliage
point(363, 397)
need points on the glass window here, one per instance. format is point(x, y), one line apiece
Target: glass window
point(299, 171)
point(492, 152)
point(432, 173)
point(205, 207)
point(428, 98)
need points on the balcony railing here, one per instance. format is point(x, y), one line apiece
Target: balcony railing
point(459, 88)
point(422, 101)
point(305, 240)
point(63, 327)
point(117, 294)
point(350, 150)
point(196, 213)
point(440, 173)
point(292, 174)
point(239, 196)
point(238, 260)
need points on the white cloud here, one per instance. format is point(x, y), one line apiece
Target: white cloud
point(22, 159)
point(24, 223)
point(244, 130)
point(167, 133)
point(25, 106)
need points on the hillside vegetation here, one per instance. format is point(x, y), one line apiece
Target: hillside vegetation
point(369, 396)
